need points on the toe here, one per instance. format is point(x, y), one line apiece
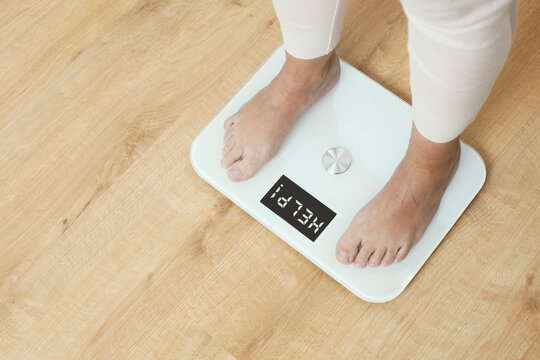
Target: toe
point(347, 247)
point(228, 123)
point(402, 252)
point(376, 257)
point(234, 154)
point(228, 133)
point(243, 169)
point(389, 257)
point(363, 256)
point(228, 145)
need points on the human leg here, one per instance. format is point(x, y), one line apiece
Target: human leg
point(457, 49)
point(254, 134)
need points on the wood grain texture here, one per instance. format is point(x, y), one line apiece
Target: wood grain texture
point(111, 247)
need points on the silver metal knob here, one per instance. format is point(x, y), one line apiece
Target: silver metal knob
point(336, 160)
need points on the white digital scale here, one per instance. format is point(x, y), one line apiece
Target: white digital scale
point(337, 157)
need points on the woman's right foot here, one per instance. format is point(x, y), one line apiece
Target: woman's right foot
point(254, 134)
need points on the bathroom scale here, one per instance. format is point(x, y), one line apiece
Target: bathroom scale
point(335, 159)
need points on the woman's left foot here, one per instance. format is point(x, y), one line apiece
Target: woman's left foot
point(384, 230)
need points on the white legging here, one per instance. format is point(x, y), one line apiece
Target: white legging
point(457, 49)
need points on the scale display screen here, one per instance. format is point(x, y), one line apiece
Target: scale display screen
point(297, 207)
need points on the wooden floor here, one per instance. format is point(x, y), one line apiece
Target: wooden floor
point(111, 247)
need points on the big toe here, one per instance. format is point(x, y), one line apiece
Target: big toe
point(347, 248)
point(243, 168)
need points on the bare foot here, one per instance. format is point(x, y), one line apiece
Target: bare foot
point(254, 134)
point(384, 230)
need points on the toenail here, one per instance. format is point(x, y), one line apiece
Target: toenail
point(235, 174)
point(357, 265)
point(344, 256)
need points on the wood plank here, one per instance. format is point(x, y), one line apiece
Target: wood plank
point(112, 247)
point(62, 152)
point(432, 319)
point(321, 330)
point(34, 49)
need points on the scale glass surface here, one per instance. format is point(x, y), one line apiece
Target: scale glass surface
point(307, 206)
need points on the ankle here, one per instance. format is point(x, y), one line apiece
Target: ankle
point(432, 157)
point(308, 66)
point(299, 74)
